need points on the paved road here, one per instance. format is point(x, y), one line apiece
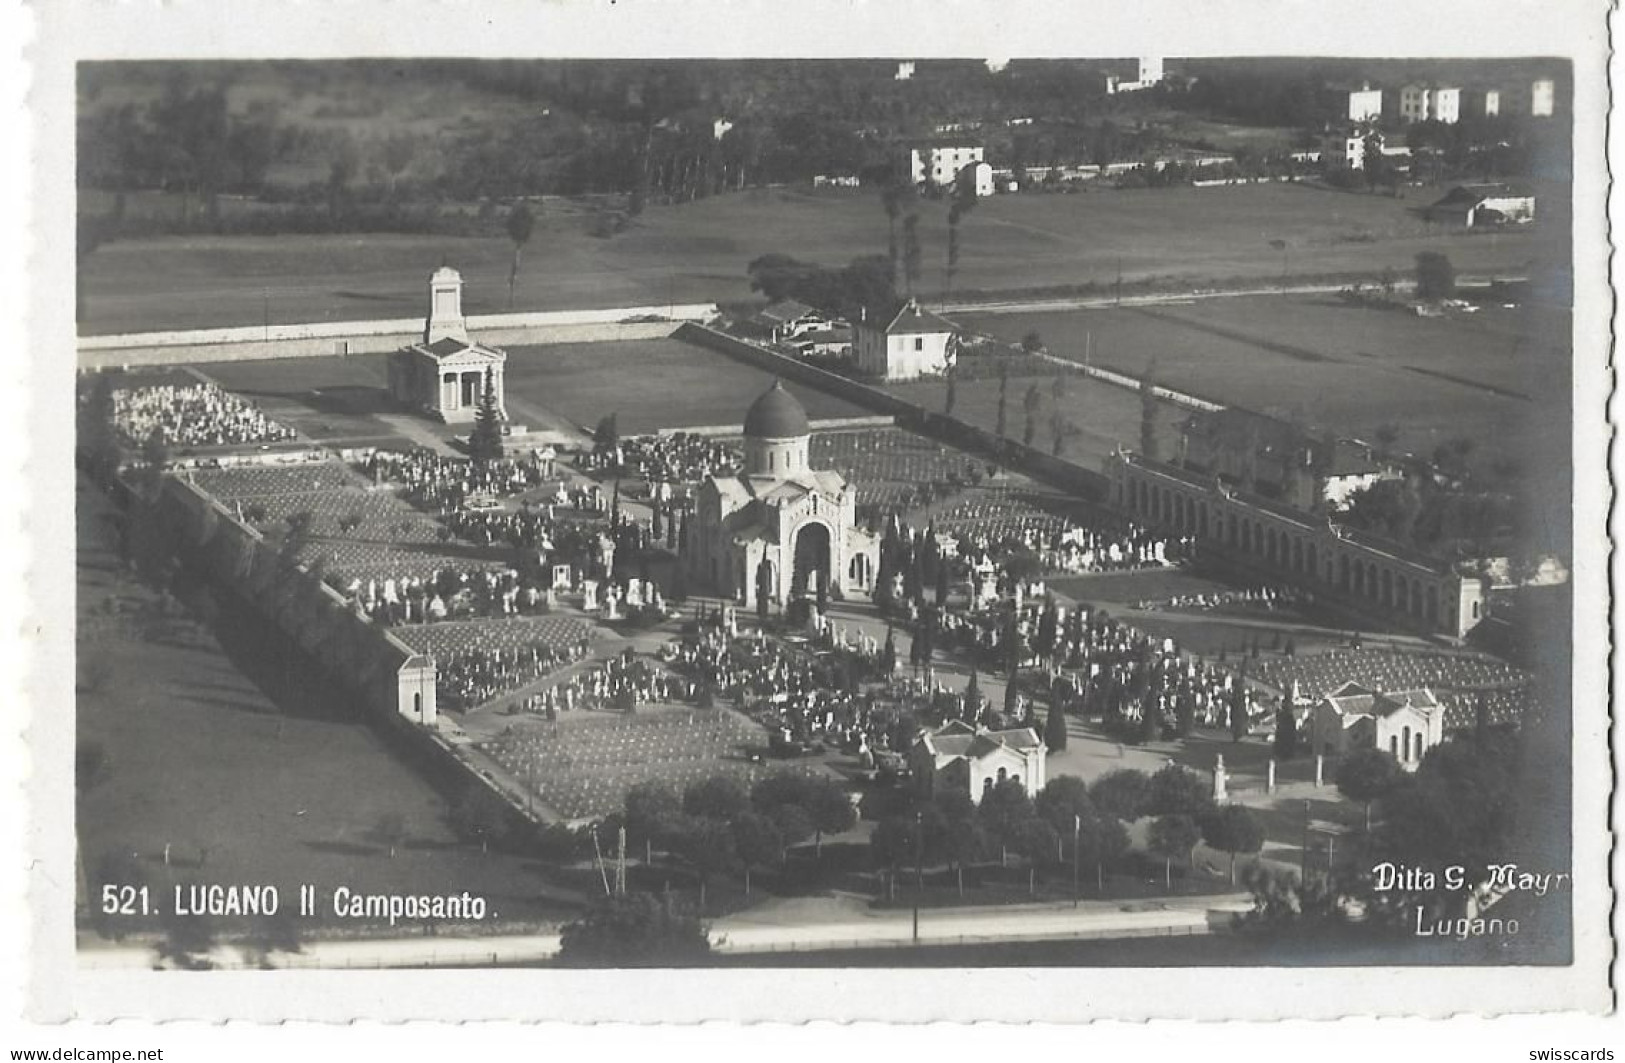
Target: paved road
point(821, 924)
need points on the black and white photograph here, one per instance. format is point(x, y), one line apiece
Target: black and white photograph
point(729, 518)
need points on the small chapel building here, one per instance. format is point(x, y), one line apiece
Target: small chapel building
point(1406, 723)
point(445, 375)
point(973, 760)
point(780, 529)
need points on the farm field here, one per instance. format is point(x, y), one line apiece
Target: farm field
point(307, 786)
point(699, 251)
point(650, 384)
point(1500, 376)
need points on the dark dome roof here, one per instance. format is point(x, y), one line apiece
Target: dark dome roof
point(776, 415)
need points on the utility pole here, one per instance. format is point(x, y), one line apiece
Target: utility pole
point(1077, 826)
point(919, 872)
point(1304, 866)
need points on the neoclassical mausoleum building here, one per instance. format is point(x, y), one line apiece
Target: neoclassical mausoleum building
point(445, 375)
point(780, 528)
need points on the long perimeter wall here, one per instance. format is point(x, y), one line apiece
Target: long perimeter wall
point(322, 339)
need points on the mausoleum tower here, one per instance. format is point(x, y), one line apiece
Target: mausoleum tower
point(445, 307)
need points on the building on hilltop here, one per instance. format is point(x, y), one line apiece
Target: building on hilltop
point(913, 343)
point(1405, 723)
point(445, 375)
point(1430, 103)
point(973, 760)
point(779, 530)
point(1363, 104)
point(1149, 73)
point(1542, 97)
point(941, 164)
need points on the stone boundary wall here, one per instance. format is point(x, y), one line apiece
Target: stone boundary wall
point(324, 339)
point(314, 615)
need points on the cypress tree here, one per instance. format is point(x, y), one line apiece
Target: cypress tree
point(1238, 709)
point(485, 441)
point(1055, 727)
point(1286, 728)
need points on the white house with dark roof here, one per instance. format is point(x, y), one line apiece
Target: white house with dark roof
point(779, 529)
point(972, 760)
point(1406, 723)
point(1484, 204)
point(913, 344)
point(445, 375)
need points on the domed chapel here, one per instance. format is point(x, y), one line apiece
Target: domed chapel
point(780, 528)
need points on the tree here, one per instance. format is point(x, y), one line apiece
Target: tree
point(951, 395)
point(708, 846)
point(757, 841)
point(888, 652)
point(1378, 170)
point(1004, 397)
point(1239, 722)
point(911, 253)
point(1173, 835)
point(1366, 776)
point(1055, 728)
point(1286, 729)
point(1005, 807)
point(651, 812)
point(1032, 342)
point(892, 842)
point(719, 797)
point(1174, 790)
point(1233, 829)
point(891, 198)
point(1456, 809)
point(963, 202)
point(764, 590)
point(1029, 404)
point(1149, 446)
point(1062, 798)
point(973, 695)
point(521, 223)
point(634, 930)
point(830, 810)
point(606, 437)
point(1124, 793)
point(485, 440)
point(1435, 276)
